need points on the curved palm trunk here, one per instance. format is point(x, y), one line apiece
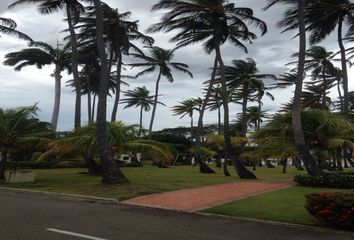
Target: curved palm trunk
point(111, 173)
point(140, 121)
point(299, 138)
point(56, 108)
point(118, 86)
point(344, 66)
point(241, 170)
point(75, 64)
point(203, 167)
point(155, 104)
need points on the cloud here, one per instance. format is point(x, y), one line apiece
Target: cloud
point(271, 52)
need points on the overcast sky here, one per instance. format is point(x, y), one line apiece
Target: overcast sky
point(32, 85)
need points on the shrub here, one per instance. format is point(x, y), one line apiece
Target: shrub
point(332, 209)
point(327, 179)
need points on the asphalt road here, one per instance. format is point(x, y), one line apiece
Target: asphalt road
point(31, 216)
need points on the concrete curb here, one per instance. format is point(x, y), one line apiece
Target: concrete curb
point(78, 196)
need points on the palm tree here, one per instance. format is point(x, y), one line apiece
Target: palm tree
point(120, 35)
point(139, 97)
point(19, 127)
point(111, 174)
point(212, 22)
point(243, 80)
point(187, 107)
point(73, 10)
point(122, 139)
point(8, 27)
point(160, 59)
point(319, 62)
point(255, 116)
point(43, 54)
point(299, 6)
point(215, 103)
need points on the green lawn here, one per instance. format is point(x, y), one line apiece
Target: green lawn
point(285, 205)
point(143, 181)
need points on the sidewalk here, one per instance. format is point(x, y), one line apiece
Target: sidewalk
point(196, 199)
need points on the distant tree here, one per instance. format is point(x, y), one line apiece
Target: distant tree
point(160, 59)
point(41, 54)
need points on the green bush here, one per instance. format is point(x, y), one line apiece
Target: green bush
point(332, 209)
point(327, 179)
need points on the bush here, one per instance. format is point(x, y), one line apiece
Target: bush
point(327, 179)
point(332, 209)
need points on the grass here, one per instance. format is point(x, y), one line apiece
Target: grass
point(146, 180)
point(285, 205)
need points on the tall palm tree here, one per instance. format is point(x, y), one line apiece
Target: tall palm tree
point(188, 107)
point(139, 97)
point(120, 35)
point(299, 6)
point(42, 54)
point(111, 174)
point(215, 103)
point(243, 80)
point(73, 9)
point(212, 22)
point(160, 59)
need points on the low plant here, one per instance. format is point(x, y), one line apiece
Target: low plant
point(335, 209)
point(327, 179)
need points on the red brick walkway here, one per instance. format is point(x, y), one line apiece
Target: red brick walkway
point(196, 199)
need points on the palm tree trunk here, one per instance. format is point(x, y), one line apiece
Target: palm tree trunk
point(324, 105)
point(340, 96)
point(56, 108)
point(93, 107)
point(89, 101)
point(192, 135)
point(344, 65)
point(155, 104)
point(111, 173)
point(242, 172)
point(299, 138)
point(219, 120)
point(141, 120)
point(203, 167)
point(244, 111)
point(118, 85)
point(75, 65)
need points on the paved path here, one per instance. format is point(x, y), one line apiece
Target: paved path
point(196, 199)
point(29, 216)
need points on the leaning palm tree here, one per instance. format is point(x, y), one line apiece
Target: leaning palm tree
point(139, 97)
point(299, 6)
point(212, 22)
point(188, 107)
point(42, 54)
point(73, 9)
point(160, 59)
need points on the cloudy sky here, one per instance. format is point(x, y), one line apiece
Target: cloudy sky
point(31, 85)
